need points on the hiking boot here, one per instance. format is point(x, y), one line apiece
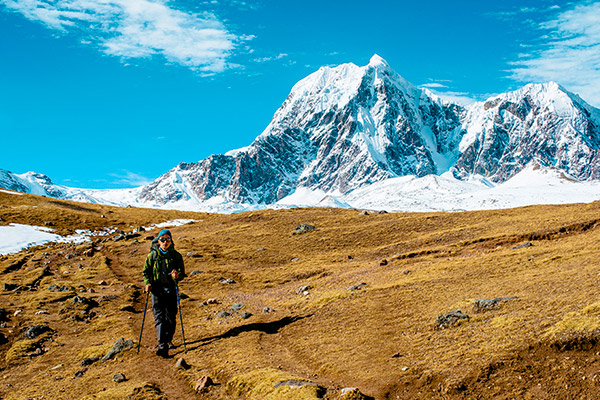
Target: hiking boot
point(163, 352)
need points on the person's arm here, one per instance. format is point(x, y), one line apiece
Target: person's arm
point(147, 274)
point(178, 272)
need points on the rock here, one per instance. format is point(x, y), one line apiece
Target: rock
point(119, 346)
point(102, 283)
point(16, 314)
point(267, 310)
point(118, 237)
point(89, 361)
point(446, 320)
point(227, 281)
point(382, 212)
point(237, 307)
point(107, 297)
point(119, 377)
point(357, 287)
point(294, 384)
point(181, 364)
point(49, 223)
point(223, 314)
point(203, 383)
point(195, 273)
point(365, 212)
point(523, 246)
point(303, 289)
point(352, 393)
point(383, 262)
point(3, 315)
point(407, 271)
point(3, 339)
point(303, 228)
point(396, 355)
point(139, 229)
point(191, 253)
point(42, 312)
point(8, 287)
point(80, 373)
point(295, 259)
point(246, 315)
point(212, 301)
point(183, 296)
point(149, 237)
point(36, 330)
point(261, 249)
point(482, 305)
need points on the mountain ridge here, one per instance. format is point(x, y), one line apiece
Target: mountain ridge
point(347, 127)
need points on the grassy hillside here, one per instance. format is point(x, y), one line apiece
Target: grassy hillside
point(536, 338)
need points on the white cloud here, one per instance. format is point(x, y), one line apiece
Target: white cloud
point(130, 178)
point(433, 85)
point(139, 29)
point(273, 58)
point(570, 54)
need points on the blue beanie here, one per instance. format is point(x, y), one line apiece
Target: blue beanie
point(165, 232)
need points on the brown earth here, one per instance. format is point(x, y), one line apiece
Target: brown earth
point(540, 342)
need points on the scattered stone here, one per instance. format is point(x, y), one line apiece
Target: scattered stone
point(227, 281)
point(404, 369)
point(237, 307)
point(3, 339)
point(107, 297)
point(212, 301)
point(523, 246)
point(41, 312)
point(191, 253)
point(383, 262)
point(261, 249)
point(365, 212)
point(80, 373)
point(447, 320)
point(91, 290)
point(357, 287)
point(303, 228)
point(89, 361)
point(407, 271)
point(16, 314)
point(267, 310)
point(8, 287)
point(119, 346)
point(203, 383)
point(49, 223)
point(294, 384)
point(102, 283)
point(3, 315)
point(303, 289)
point(196, 272)
point(118, 238)
point(246, 315)
point(382, 212)
point(396, 355)
point(482, 305)
point(69, 256)
point(350, 258)
point(57, 367)
point(223, 314)
point(181, 364)
point(183, 296)
point(352, 393)
point(36, 330)
point(127, 308)
point(119, 377)
point(149, 237)
point(139, 229)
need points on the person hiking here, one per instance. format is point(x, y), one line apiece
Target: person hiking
point(163, 267)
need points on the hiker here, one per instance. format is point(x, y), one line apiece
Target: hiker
point(163, 267)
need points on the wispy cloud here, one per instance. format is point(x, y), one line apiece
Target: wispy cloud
point(569, 53)
point(129, 178)
point(272, 58)
point(433, 85)
point(139, 29)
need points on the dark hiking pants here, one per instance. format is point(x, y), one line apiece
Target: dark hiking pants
point(164, 308)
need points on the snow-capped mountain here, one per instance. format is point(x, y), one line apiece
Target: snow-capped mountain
point(346, 134)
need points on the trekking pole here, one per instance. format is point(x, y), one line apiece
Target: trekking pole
point(180, 317)
point(143, 319)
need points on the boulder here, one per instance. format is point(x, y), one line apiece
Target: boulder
point(303, 228)
point(119, 346)
point(483, 305)
point(119, 377)
point(357, 287)
point(452, 318)
point(181, 364)
point(203, 383)
point(36, 330)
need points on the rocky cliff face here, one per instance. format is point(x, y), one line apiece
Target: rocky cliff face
point(30, 182)
point(540, 122)
point(339, 128)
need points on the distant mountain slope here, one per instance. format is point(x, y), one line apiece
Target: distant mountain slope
point(341, 130)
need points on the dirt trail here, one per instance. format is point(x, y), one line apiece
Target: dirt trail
point(150, 367)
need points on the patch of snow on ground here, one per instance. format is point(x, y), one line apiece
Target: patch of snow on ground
point(174, 222)
point(9, 192)
point(16, 237)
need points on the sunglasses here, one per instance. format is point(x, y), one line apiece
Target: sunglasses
point(164, 240)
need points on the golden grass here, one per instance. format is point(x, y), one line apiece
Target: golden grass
point(380, 338)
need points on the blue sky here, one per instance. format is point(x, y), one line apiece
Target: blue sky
point(114, 93)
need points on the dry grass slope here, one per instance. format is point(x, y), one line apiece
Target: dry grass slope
point(541, 341)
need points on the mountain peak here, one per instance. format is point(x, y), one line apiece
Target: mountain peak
point(376, 60)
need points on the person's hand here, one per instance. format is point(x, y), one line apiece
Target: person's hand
point(175, 274)
point(148, 289)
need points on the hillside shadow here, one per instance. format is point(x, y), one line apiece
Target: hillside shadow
point(265, 327)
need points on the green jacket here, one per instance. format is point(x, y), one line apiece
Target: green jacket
point(154, 274)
